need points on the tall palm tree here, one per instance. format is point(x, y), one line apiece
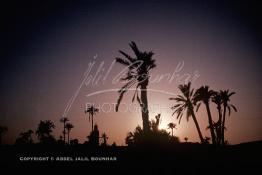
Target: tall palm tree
point(226, 106)
point(44, 130)
point(204, 94)
point(68, 127)
point(217, 99)
point(91, 110)
point(64, 120)
point(3, 130)
point(185, 103)
point(137, 76)
point(171, 126)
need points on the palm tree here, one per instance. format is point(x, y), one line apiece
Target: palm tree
point(91, 110)
point(171, 126)
point(64, 120)
point(138, 76)
point(68, 127)
point(44, 130)
point(186, 139)
point(226, 106)
point(217, 99)
point(3, 130)
point(185, 103)
point(25, 137)
point(204, 95)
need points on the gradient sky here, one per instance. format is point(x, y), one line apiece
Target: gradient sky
point(47, 47)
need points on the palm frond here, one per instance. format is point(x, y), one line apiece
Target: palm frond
point(127, 85)
point(122, 91)
point(235, 109)
point(229, 110)
point(230, 94)
point(122, 61)
point(129, 76)
point(179, 116)
point(134, 96)
point(136, 91)
point(191, 93)
point(127, 56)
point(138, 100)
point(175, 106)
point(198, 106)
point(134, 48)
point(120, 98)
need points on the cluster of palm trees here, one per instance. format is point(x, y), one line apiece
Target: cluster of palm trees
point(45, 129)
point(44, 133)
point(67, 128)
point(189, 102)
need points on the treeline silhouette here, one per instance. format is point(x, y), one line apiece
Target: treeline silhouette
point(45, 137)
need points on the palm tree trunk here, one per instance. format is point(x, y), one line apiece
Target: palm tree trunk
point(213, 136)
point(220, 125)
point(197, 126)
point(223, 126)
point(64, 133)
point(144, 107)
point(172, 132)
point(68, 137)
point(92, 122)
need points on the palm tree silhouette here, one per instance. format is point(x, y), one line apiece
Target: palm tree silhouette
point(91, 110)
point(185, 103)
point(3, 130)
point(44, 130)
point(186, 139)
point(217, 99)
point(138, 76)
point(204, 94)
point(64, 120)
point(25, 137)
point(171, 126)
point(226, 106)
point(68, 127)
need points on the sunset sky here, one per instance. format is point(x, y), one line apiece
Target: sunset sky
point(48, 47)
